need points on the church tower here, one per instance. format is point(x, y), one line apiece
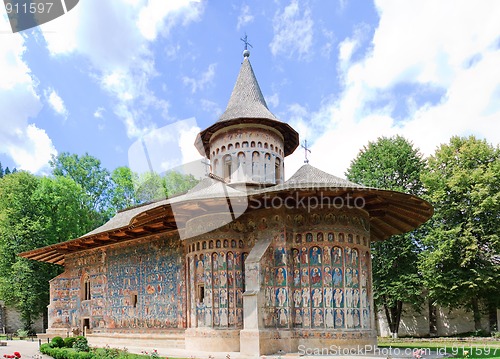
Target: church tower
point(247, 145)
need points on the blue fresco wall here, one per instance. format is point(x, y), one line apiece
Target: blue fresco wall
point(138, 284)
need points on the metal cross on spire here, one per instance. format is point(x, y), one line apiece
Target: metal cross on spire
point(246, 52)
point(306, 149)
point(207, 166)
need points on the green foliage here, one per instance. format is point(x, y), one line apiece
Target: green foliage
point(95, 353)
point(460, 264)
point(57, 342)
point(35, 212)
point(69, 341)
point(152, 186)
point(64, 353)
point(22, 333)
point(123, 194)
point(94, 180)
point(81, 344)
point(393, 164)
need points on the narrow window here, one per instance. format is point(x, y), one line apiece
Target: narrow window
point(201, 293)
point(277, 171)
point(133, 300)
point(227, 168)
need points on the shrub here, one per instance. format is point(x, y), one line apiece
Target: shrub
point(64, 353)
point(21, 333)
point(68, 342)
point(81, 344)
point(57, 342)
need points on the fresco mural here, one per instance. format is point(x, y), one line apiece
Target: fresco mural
point(327, 285)
point(218, 284)
point(131, 286)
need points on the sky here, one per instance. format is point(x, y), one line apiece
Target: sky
point(109, 77)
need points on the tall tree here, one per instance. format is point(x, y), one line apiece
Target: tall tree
point(35, 212)
point(123, 192)
point(1, 170)
point(393, 164)
point(91, 176)
point(460, 263)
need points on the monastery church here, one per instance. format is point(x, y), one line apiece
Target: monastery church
point(243, 262)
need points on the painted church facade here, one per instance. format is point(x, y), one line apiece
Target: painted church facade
point(245, 261)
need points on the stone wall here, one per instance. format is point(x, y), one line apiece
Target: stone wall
point(10, 320)
point(448, 322)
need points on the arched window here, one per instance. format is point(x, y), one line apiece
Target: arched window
point(252, 144)
point(266, 146)
point(227, 168)
point(215, 166)
point(241, 165)
point(255, 166)
point(277, 171)
point(259, 144)
point(237, 145)
point(245, 144)
point(230, 147)
point(223, 149)
point(85, 288)
point(267, 167)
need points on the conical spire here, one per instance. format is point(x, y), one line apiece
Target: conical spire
point(246, 100)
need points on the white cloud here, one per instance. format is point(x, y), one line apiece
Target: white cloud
point(203, 80)
point(161, 15)
point(28, 146)
point(211, 107)
point(115, 37)
point(412, 46)
point(293, 31)
point(273, 100)
point(56, 102)
point(245, 17)
point(99, 112)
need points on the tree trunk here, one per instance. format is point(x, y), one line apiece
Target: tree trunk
point(492, 316)
point(476, 313)
point(432, 320)
point(393, 315)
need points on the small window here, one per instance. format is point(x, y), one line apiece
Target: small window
point(201, 293)
point(227, 168)
point(86, 289)
point(133, 300)
point(277, 171)
point(245, 144)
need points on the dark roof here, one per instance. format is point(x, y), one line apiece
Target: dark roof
point(390, 212)
point(308, 176)
point(247, 106)
point(246, 100)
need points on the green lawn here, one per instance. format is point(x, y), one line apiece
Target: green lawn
point(475, 348)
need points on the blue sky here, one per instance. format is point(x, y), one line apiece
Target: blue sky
point(342, 72)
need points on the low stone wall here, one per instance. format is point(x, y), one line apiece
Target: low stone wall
point(448, 322)
point(10, 320)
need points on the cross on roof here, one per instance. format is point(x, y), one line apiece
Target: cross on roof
point(207, 166)
point(245, 41)
point(306, 149)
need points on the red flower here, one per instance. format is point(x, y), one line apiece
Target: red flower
point(17, 354)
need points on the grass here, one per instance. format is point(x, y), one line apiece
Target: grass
point(471, 349)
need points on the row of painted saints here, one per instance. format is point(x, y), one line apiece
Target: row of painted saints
point(328, 288)
point(318, 298)
point(222, 275)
